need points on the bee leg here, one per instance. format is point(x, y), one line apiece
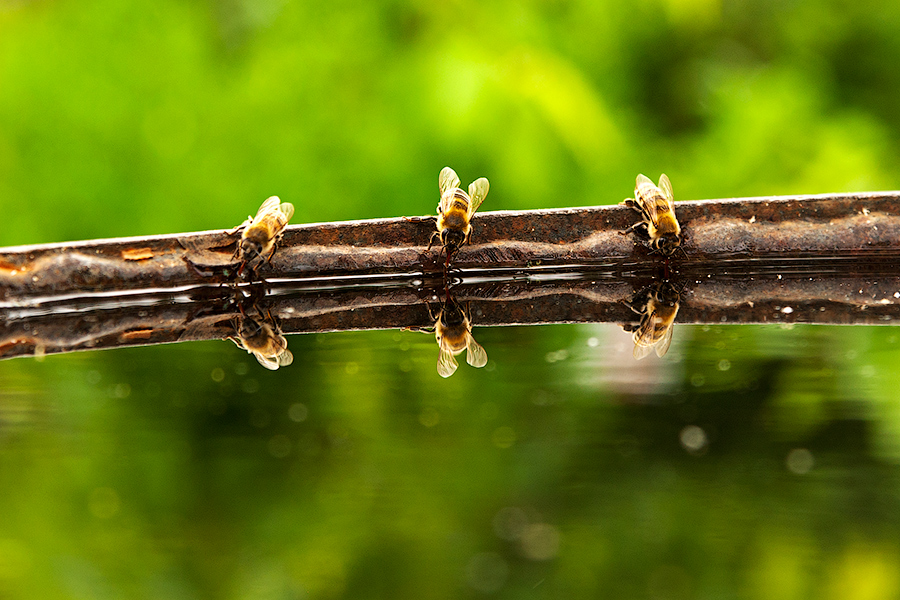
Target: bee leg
point(428, 308)
point(268, 258)
point(266, 314)
point(632, 228)
point(431, 241)
point(417, 329)
point(240, 227)
point(236, 340)
point(632, 307)
point(639, 299)
point(197, 269)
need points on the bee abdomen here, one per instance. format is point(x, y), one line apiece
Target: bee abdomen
point(454, 218)
point(667, 224)
point(258, 233)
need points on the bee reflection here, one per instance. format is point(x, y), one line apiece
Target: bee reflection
point(453, 332)
point(261, 336)
point(658, 306)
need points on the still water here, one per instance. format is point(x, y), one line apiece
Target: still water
point(749, 462)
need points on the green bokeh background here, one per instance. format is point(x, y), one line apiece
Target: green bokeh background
point(190, 472)
point(158, 117)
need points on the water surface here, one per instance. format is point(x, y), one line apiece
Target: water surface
point(748, 459)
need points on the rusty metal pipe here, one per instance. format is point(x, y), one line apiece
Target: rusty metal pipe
point(865, 225)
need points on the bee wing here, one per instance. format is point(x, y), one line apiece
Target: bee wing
point(643, 338)
point(662, 346)
point(271, 204)
point(446, 365)
point(642, 180)
point(478, 191)
point(447, 180)
point(475, 354)
point(288, 210)
point(665, 186)
point(647, 207)
point(269, 362)
point(285, 358)
point(641, 350)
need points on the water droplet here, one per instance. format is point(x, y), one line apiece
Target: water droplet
point(540, 541)
point(298, 412)
point(800, 461)
point(693, 438)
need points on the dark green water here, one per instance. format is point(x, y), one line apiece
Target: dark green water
point(749, 462)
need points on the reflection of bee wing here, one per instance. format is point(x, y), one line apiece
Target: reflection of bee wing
point(643, 338)
point(446, 364)
point(478, 191)
point(475, 354)
point(641, 351)
point(662, 346)
point(648, 206)
point(271, 204)
point(447, 180)
point(665, 186)
point(269, 362)
point(285, 358)
point(288, 209)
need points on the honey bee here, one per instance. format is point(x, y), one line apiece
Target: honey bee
point(657, 207)
point(263, 339)
point(261, 233)
point(455, 210)
point(658, 307)
point(453, 332)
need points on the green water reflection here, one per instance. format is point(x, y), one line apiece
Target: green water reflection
point(751, 462)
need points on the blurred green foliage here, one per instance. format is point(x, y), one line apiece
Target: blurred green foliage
point(157, 117)
point(559, 470)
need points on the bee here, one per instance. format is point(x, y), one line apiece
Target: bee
point(263, 339)
point(453, 332)
point(657, 207)
point(658, 307)
point(261, 233)
point(455, 210)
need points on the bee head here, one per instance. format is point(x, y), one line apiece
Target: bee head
point(250, 248)
point(667, 294)
point(452, 239)
point(452, 314)
point(250, 328)
point(667, 244)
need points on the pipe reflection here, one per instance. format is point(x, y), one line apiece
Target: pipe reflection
point(842, 290)
point(452, 330)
